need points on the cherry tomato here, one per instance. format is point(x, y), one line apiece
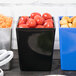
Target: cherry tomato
point(39, 20)
point(49, 20)
point(23, 26)
point(23, 20)
point(34, 14)
point(46, 16)
point(31, 23)
point(48, 25)
point(40, 26)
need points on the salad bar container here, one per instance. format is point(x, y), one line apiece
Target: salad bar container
point(5, 42)
point(35, 47)
point(5, 35)
point(5, 38)
point(67, 47)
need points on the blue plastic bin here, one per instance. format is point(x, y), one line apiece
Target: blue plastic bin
point(67, 38)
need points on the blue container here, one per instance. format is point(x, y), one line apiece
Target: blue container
point(67, 47)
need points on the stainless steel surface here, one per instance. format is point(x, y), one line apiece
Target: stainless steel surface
point(5, 38)
point(5, 43)
point(56, 70)
point(6, 67)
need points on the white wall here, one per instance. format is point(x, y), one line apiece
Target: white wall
point(40, 1)
point(16, 8)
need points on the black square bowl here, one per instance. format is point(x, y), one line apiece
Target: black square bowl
point(35, 48)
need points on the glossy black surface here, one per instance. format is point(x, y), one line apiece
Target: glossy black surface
point(35, 47)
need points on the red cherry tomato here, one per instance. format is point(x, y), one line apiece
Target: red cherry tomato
point(40, 26)
point(31, 23)
point(48, 25)
point(39, 20)
point(46, 16)
point(23, 26)
point(34, 14)
point(23, 20)
point(49, 20)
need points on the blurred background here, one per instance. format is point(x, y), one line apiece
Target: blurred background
point(56, 8)
point(16, 8)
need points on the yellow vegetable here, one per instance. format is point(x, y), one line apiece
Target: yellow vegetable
point(65, 17)
point(64, 26)
point(74, 22)
point(70, 25)
point(63, 22)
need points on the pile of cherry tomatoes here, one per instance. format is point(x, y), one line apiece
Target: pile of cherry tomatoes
point(36, 21)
